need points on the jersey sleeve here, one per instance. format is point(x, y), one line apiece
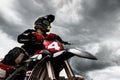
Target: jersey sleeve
point(26, 36)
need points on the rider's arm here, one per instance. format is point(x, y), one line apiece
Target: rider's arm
point(26, 36)
point(52, 36)
point(60, 39)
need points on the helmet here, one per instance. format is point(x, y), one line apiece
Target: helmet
point(50, 18)
point(44, 22)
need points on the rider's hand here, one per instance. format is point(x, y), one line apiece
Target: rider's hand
point(39, 37)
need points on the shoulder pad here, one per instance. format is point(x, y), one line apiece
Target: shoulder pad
point(51, 36)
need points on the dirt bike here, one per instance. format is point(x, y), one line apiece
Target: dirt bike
point(49, 65)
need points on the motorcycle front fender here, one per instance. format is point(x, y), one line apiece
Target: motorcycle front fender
point(81, 53)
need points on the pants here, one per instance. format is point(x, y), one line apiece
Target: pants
point(14, 56)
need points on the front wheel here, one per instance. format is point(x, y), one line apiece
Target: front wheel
point(43, 70)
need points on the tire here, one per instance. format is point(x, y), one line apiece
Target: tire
point(40, 71)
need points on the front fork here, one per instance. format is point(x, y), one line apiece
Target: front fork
point(69, 72)
point(50, 70)
point(67, 67)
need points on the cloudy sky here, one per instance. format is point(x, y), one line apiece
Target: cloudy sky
point(92, 25)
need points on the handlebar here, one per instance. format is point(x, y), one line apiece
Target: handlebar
point(66, 43)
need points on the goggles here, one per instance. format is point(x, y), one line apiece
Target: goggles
point(46, 22)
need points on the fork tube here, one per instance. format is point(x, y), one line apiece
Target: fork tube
point(50, 70)
point(68, 70)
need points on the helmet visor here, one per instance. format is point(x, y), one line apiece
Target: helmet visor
point(46, 22)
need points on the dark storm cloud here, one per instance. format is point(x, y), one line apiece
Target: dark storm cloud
point(32, 9)
point(100, 20)
point(105, 59)
point(102, 16)
point(101, 8)
point(12, 29)
point(28, 11)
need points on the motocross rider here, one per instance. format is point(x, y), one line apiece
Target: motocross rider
point(32, 40)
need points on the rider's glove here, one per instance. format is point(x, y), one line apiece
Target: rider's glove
point(39, 37)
